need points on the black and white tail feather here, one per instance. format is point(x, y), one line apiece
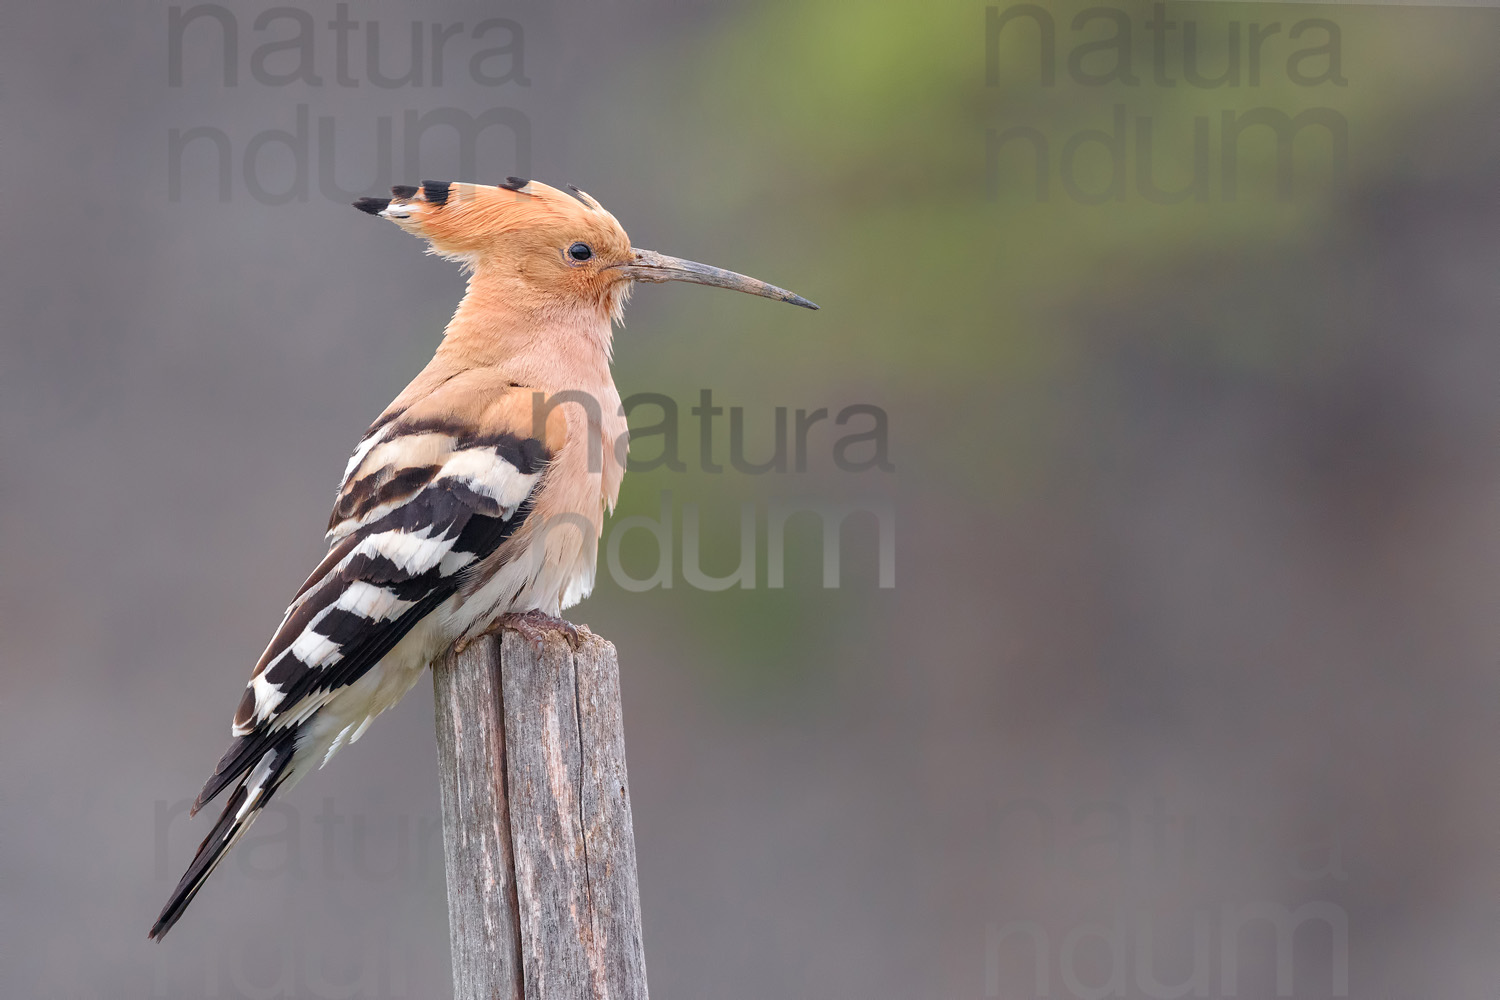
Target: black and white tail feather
point(239, 812)
point(425, 498)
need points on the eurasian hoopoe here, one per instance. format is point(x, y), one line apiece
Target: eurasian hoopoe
point(466, 500)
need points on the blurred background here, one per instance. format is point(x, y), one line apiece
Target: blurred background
point(1180, 325)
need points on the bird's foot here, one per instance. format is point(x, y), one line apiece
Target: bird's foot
point(534, 626)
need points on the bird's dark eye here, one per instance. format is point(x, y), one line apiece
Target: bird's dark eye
point(580, 251)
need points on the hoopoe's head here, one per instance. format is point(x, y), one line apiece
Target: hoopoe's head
point(561, 247)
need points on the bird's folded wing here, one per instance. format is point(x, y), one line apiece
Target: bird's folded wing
point(431, 490)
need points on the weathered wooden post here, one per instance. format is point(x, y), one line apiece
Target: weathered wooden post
point(543, 900)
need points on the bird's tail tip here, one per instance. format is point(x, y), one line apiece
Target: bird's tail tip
point(239, 812)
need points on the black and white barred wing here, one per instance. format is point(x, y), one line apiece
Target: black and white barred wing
point(422, 506)
point(425, 498)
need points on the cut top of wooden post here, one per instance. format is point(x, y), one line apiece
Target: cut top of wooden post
point(543, 897)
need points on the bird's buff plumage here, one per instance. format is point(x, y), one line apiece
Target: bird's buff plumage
point(479, 492)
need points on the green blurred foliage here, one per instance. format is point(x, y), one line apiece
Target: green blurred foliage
point(846, 147)
point(841, 150)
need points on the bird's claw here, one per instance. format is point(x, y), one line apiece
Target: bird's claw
point(534, 625)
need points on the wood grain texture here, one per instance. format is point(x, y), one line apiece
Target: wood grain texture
point(543, 897)
point(483, 921)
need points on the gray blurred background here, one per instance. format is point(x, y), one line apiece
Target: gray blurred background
point(1187, 683)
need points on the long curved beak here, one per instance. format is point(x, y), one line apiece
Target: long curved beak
point(648, 265)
